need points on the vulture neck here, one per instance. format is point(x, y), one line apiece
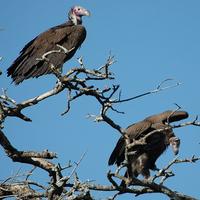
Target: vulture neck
point(76, 20)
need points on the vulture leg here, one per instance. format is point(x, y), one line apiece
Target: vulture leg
point(129, 175)
point(141, 166)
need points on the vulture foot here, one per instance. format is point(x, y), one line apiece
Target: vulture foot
point(65, 50)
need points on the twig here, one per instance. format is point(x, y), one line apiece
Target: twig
point(158, 89)
point(193, 159)
point(77, 164)
point(0, 60)
point(164, 172)
point(6, 98)
point(178, 108)
point(30, 173)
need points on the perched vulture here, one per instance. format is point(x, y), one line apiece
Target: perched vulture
point(145, 157)
point(70, 35)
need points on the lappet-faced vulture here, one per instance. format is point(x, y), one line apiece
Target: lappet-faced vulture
point(145, 157)
point(70, 35)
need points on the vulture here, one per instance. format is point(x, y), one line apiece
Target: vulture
point(145, 157)
point(69, 35)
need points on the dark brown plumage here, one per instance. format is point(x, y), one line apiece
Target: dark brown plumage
point(145, 157)
point(69, 35)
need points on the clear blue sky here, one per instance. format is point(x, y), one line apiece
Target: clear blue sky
point(151, 41)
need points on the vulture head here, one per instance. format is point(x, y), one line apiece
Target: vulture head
point(76, 13)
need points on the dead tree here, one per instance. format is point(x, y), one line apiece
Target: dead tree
point(77, 83)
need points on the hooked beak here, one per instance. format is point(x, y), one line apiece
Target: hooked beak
point(175, 144)
point(86, 13)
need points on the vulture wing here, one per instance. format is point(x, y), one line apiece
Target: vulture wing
point(167, 116)
point(173, 116)
point(27, 65)
point(140, 129)
point(145, 157)
point(134, 131)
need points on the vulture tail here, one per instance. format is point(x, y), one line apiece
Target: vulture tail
point(117, 156)
point(177, 116)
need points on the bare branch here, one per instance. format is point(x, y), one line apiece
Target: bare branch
point(34, 158)
point(194, 123)
point(79, 81)
point(20, 191)
point(146, 186)
point(159, 88)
